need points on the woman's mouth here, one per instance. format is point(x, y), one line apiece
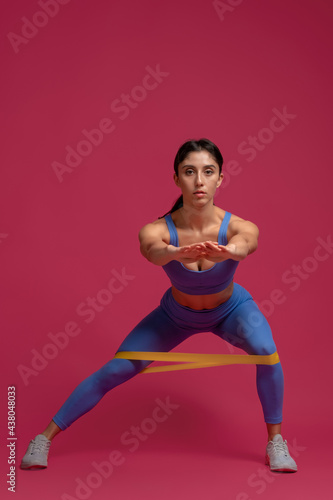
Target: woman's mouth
point(199, 194)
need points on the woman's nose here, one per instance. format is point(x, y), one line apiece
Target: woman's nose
point(199, 179)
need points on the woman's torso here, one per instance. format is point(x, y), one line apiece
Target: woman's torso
point(186, 236)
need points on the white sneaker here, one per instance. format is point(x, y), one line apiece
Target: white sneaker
point(278, 457)
point(37, 452)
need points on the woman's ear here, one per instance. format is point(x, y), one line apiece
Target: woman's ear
point(220, 179)
point(176, 179)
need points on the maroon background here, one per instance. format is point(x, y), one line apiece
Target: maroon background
point(225, 74)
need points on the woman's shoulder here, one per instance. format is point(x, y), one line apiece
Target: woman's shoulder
point(158, 223)
point(238, 224)
point(157, 228)
point(234, 218)
point(222, 213)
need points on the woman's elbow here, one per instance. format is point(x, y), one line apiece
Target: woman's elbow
point(145, 252)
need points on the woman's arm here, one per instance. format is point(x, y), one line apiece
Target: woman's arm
point(152, 245)
point(155, 249)
point(244, 234)
point(243, 240)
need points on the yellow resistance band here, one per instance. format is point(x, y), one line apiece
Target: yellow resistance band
point(196, 360)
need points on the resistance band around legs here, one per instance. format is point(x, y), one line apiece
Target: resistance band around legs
point(187, 361)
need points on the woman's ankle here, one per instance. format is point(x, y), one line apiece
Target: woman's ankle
point(51, 430)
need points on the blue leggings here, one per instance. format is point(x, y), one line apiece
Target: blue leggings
point(238, 321)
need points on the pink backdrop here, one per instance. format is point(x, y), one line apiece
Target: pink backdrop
point(97, 98)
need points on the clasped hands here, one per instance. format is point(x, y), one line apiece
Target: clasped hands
point(209, 250)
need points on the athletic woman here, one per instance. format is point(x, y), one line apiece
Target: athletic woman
point(199, 246)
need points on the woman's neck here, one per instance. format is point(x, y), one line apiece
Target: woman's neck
point(198, 218)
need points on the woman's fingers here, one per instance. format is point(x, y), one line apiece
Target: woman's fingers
point(195, 246)
point(209, 250)
point(213, 249)
point(211, 244)
point(202, 249)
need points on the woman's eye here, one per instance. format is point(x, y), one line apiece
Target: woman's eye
point(190, 172)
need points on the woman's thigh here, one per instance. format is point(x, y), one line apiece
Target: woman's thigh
point(248, 329)
point(157, 332)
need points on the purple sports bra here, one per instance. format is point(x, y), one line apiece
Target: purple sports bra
point(205, 282)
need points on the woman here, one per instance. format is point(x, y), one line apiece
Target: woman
point(199, 246)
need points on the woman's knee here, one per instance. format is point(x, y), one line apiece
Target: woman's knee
point(264, 348)
point(252, 329)
point(117, 371)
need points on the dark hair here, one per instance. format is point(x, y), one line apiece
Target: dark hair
point(184, 150)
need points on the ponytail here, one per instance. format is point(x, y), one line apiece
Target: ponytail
point(177, 204)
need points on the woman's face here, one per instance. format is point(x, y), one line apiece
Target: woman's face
point(198, 177)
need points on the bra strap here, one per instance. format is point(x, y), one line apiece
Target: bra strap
point(222, 237)
point(172, 230)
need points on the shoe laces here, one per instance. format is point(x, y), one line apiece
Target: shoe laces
point(281, 448)
point(39, 446)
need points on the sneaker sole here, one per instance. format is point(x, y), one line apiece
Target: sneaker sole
point(267, 462)
point(33, 466)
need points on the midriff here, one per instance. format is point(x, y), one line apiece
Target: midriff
point(199, 302)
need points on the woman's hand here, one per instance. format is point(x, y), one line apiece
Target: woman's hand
point(190, 253)
point(209, 250)
point(218, 253)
